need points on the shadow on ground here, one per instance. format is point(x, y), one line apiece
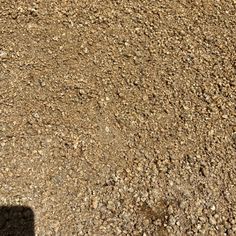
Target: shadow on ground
point(16, 220)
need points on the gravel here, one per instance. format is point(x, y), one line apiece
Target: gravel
point(118, 117)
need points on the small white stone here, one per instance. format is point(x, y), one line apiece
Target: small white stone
point(213, 208)
point(3, 53)
point(107, 129)
point(85, 50)
point(35, 115)
point(199, 226)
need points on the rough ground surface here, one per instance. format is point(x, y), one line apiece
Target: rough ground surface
point(117, 117)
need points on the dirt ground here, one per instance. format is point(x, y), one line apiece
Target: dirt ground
point(118, 117)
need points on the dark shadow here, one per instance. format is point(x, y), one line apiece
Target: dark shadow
point(16, 220)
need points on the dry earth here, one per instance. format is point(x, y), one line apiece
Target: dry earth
point(117, 117)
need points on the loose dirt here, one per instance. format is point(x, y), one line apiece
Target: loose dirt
point(117, 117)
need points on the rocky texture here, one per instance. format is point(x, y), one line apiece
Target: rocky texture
point(118, 117)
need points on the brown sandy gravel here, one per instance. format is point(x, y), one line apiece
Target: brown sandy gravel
point(117, 117)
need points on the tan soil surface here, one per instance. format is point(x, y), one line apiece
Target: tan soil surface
point(117, 117)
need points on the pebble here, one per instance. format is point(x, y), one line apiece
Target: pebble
point(111, 205)
point(183, 205)
point(145, 98)
point(85, 50)
point(213, 208)
point(170, 210)
point(172, 220)
point(3, 54)
point(95, 203)
point(212, 220)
